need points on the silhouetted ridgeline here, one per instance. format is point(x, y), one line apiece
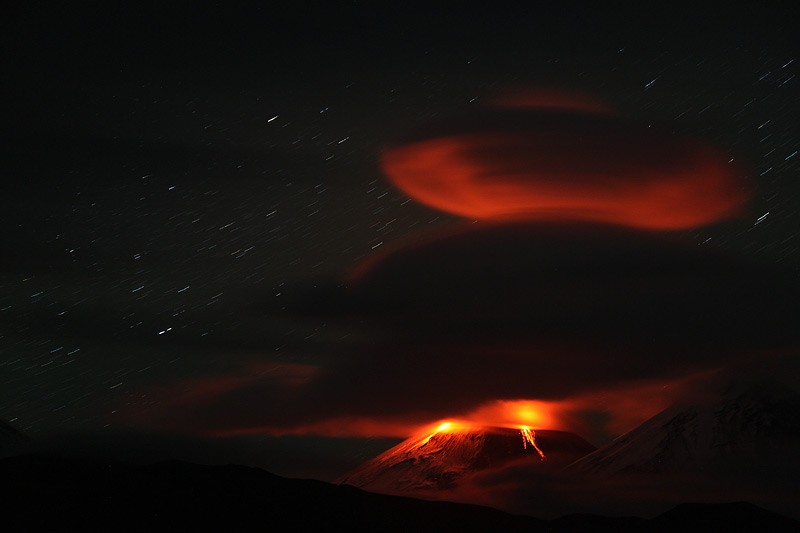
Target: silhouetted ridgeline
point(50, 493)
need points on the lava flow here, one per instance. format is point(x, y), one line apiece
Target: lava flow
point(527, 433)
point(529, 437)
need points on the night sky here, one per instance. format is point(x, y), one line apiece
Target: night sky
point(204, 254)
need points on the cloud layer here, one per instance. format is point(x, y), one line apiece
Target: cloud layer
point(581, 316)
point(557, 159)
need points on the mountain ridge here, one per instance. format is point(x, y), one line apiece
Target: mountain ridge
point(57, 493)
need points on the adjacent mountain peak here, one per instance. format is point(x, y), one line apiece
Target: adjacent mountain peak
point(746, 426)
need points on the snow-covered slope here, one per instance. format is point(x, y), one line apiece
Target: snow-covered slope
point(438, 461)
point(746, 427)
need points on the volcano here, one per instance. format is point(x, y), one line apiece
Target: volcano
point(428, 465)
point(733, 444)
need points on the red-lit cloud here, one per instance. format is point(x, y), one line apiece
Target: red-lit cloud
point(564, 326)
point(516, 412)
point(561, 158)
point(552, 98)
point(563, 310)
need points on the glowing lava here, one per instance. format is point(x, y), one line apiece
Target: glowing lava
point(449, 426)
point(529, 437)
point(444, 426)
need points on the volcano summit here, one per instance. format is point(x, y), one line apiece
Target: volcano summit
point(425, 465)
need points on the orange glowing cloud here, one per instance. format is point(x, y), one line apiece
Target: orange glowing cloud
point(565, 161)
point(516, 413)
point(335, 426)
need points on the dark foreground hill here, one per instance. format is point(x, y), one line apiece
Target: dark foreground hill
point(46, 493)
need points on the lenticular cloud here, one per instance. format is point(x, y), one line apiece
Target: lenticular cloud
point(554, 162)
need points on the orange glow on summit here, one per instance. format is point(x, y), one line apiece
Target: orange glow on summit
point(444, 426)
point(447, 427)
point(521, 415)
point(517, 413)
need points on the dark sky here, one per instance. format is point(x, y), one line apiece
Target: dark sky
point(189, 189)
